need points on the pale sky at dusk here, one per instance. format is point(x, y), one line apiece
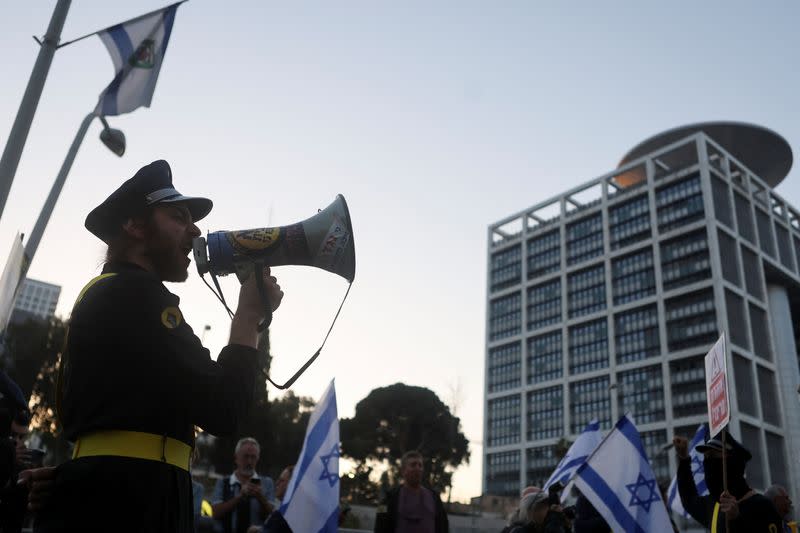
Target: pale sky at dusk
point(434, 120)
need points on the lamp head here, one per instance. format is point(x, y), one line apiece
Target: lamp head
point(114, 140)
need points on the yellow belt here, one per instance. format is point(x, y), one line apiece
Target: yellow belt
point(134, 444)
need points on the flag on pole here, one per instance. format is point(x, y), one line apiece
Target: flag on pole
point(11, 280)
point(137, 49)
point(577, 454)
point(698, 473)
point(618, 481)
point(312, 496)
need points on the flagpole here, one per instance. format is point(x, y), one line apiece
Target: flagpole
point(30, 101)
point(47, 210)
point(725, 477)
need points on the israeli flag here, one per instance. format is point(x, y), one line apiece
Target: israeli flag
point(311, 503)
point(137, 48)
point(618, 481)
point(698, 473)
point(577, 454)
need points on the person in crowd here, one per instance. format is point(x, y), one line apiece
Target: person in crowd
point(14, 497)
point(587, 519)
point(541, 515)
point(782, 502)
point(745, 509)
point(134, 379)
point(244, 499)
point(281, 484)
point(514, 519)
point(12, 401)
point(411, 507)
point(202, 524)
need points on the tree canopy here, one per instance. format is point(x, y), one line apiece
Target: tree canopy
point(395, 419)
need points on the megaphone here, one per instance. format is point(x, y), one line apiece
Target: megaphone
point(324, 240)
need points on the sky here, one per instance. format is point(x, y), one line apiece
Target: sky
point(433, 119)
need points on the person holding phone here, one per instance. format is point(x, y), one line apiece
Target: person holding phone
point(243, 499)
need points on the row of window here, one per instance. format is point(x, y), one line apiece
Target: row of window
point(639, 391)
point(788, 255)
point(678, 203)
point(503, 470)
point(691, 321)
point(684, 261)
point(629, 222)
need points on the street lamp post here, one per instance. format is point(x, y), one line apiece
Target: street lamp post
point(30, 101)
point(113, 139)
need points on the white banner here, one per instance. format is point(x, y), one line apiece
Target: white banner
point(12, 276)
point(719, 404)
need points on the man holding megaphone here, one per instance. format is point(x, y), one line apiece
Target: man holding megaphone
point(134, 379)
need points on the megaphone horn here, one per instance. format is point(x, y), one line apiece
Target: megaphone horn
point(324, 240)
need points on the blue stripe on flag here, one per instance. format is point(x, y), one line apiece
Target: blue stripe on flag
point(629, 431)
point(573, 463)
point(332, 523)
point(610, 499)
point(313, 442)
point(672, 494)
point(125, 49)
point(592, 426)
point(169, 18)
point(702, 488)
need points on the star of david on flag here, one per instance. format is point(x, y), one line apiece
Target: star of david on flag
point(618, 481)
point(698, 473)
point(577, 454)
point(643, 492)
point(330, 467)
point(311, 502)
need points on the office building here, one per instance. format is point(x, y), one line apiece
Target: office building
point(605, 299)
point(36, 299)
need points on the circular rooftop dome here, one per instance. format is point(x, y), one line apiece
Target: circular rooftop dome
point(761, 150)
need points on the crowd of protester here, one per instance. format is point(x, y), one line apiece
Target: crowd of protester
point(739, 509)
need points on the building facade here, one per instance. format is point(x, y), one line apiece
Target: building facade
point(605, 299)
point(36, 299)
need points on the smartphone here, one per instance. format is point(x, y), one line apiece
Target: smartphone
point(255, 481)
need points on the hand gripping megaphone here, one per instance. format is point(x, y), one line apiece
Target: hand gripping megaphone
point(324, 240)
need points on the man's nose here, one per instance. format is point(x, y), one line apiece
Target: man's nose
point(194, 231)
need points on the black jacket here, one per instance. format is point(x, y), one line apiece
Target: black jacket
point(386, 517)
point(132, 363)
point(756, 514)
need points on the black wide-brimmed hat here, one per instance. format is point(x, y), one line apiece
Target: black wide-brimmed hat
point(150, 186)
point(732, 446)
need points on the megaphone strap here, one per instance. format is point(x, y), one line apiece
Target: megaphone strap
point(268, 320)
point(316, 354)
point(218, 293)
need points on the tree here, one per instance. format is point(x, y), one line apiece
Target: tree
point(33, 351)
point(395, 419)
point(32, 356)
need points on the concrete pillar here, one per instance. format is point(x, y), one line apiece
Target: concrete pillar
point(788, 378)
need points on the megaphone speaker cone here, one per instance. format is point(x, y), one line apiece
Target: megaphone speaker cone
point(324, 240)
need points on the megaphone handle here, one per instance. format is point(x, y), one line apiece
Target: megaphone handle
point(259, 274)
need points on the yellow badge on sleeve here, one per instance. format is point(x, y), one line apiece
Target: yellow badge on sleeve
point(171, 317)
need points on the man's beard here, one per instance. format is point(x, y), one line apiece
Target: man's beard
point(166, 257)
